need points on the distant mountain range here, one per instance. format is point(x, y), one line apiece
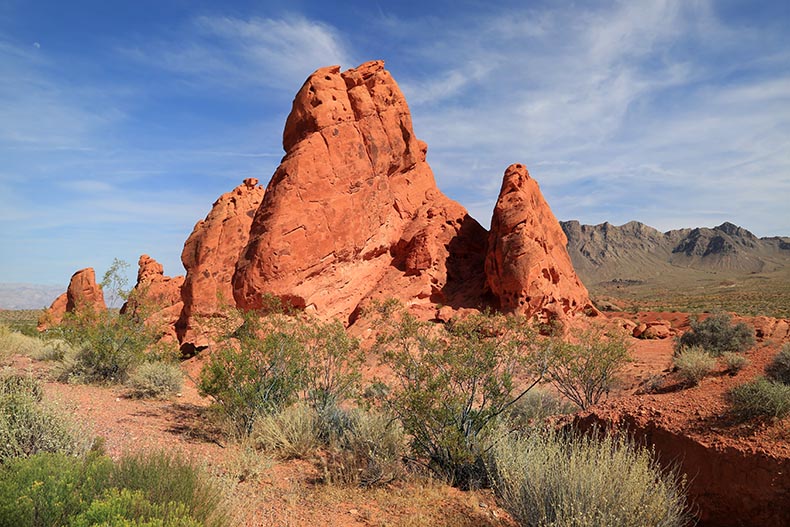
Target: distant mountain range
point(636, 252)
point(28, 296)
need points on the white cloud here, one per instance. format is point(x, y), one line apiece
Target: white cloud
point(243, 52)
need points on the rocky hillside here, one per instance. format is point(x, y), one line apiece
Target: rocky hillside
point(635, 252)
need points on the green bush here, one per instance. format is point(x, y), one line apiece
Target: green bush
point(49, 489)
point(779, 368)
point(106, 347)
point(716, 334)
point(693, 364)
point(127, 508)
point(553, 479)
point(293, 433)
point(584, 370)
point(156, 379)
point(156, 490)
point(734, 362)
point(26, 426)
point(760, 398)
point(453, 384)
point(269, 361)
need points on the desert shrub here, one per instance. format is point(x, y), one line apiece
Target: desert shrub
point(760, 398)
point(250, 375)
point(549, 478)
point(368, 452)
point(15, 343)
point(693, 364)
point(48, 489)
point(53, 350)
point(585, 368)
point(779, 368)
point(453, 384)
point(734, 362)
point(532, 409)
point(154, 490)
point(13, 383)
point(27, 427)
point(106, 347)
point(270, 361)
point(155, 379)
point(165, 477)
point(717, 334)
point(125, 508)
point(293, 433)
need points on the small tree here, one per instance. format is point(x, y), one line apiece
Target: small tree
point(717, 334)
point(114, 283)
point(452, 384)
point(584, 369)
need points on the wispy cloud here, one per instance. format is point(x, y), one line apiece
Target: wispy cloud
point(247, 52)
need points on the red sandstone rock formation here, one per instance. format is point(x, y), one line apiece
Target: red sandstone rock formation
point(353, 210)
point(210, 255)
point(155, 297)
point(82, 293)
point(527, 266)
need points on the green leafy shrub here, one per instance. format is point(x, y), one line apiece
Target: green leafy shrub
point(779, 368)
point(127, 508)
point(585, 369)
point(548, 478)
point(269, 361)
point(716, 334)
point(293, 433)
point(734, 362)
point(155, 490)
point(453, 384)
point(693, 364)
point(250, 376)
point(368, 452)
point(26, 426)
point(156, 379)
point(48, 489)
point(760, 398)
point(106, 347)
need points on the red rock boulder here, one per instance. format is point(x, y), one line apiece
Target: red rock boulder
point(83, 293)
point(527, 266)
point(155, 297)
point(210, 255)
point(353, 211)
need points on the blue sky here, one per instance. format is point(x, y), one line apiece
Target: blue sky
point(121, 122)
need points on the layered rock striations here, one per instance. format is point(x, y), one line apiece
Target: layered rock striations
point(353, 210)
point(83, 293)
point(210, 255)
point(527, 265)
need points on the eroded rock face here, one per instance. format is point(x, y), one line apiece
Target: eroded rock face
point(527, 265)
point(210, 255)
point(155, 297)
point(83, 293)
point(353, 210)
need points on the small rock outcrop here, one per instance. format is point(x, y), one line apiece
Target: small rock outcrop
point(527, 266)
point(83, 293)
point(353, 210)
point(210, 255)
point(155, 297)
